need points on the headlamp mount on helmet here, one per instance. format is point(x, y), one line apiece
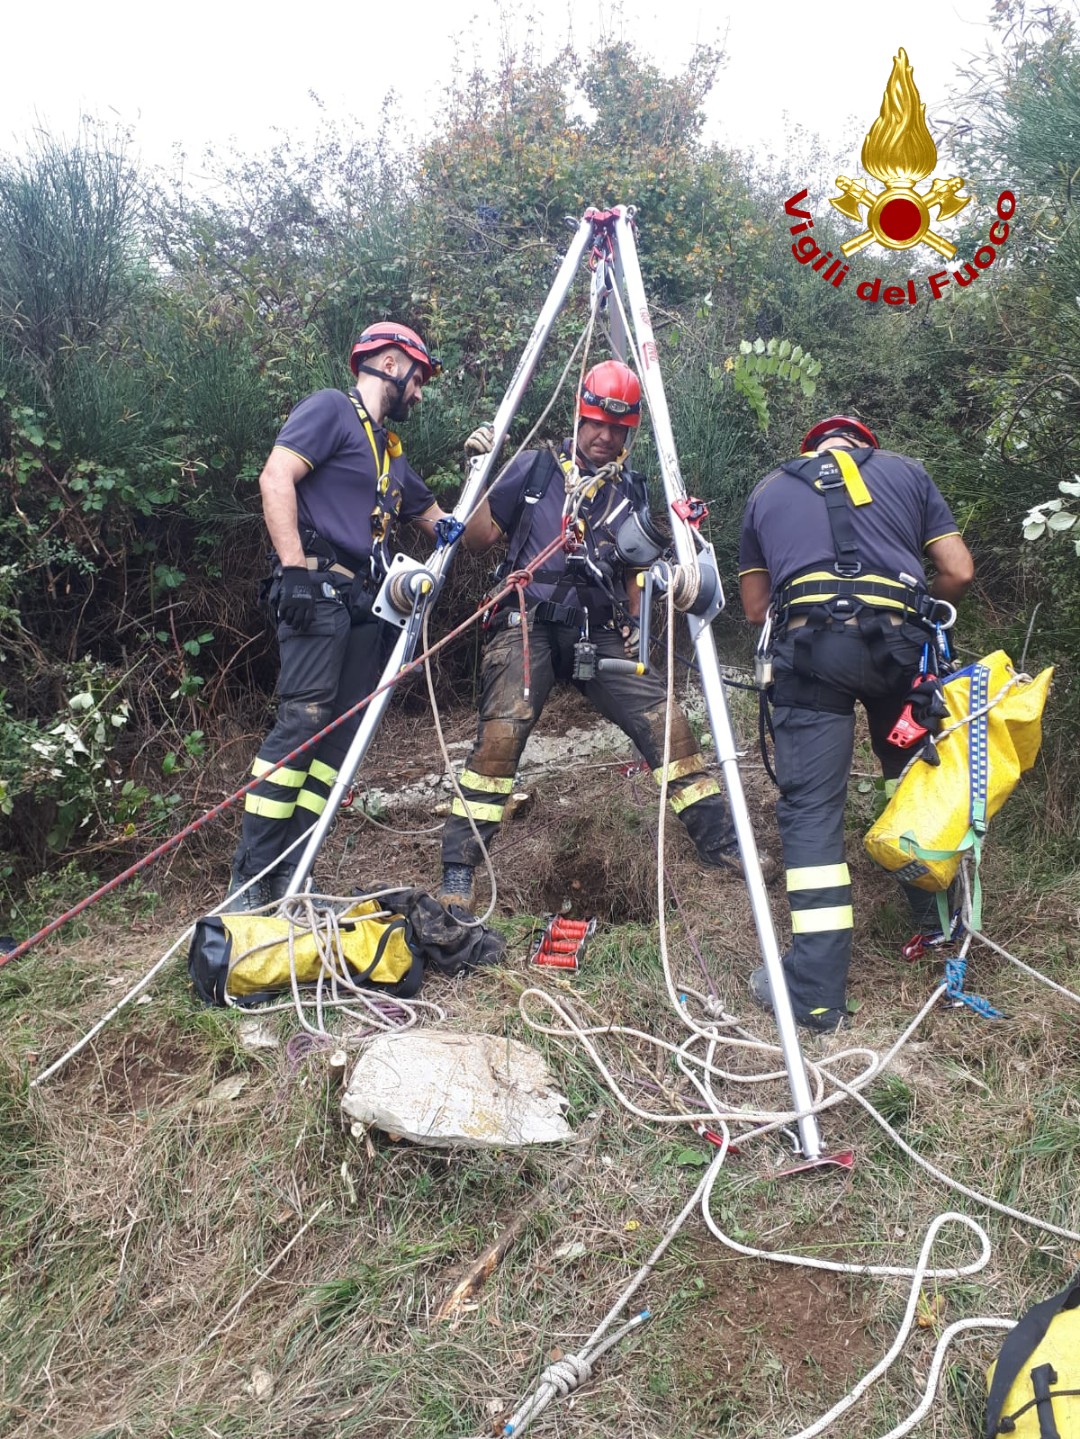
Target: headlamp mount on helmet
point(617, 408)
point(610, 394)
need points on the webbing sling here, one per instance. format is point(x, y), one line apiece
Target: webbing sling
point(978, 779)
point(381, 514)
point(543, 470)
point(836, 478)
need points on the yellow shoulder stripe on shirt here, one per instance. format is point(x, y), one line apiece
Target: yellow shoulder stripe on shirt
point(854, 483)
point(948, 535)
point(297, 453)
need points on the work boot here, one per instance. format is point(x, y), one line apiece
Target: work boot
point(729, 857)
point(254, 897)
point(457, 886)
point(280, 881)
point(821, 1021)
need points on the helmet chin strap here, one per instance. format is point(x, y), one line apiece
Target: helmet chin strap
point(398, 411)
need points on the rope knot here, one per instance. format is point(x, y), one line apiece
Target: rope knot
point(567, 1374)
point(955, 974)
point(715, 1009)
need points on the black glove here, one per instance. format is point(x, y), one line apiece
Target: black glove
point(296, 597)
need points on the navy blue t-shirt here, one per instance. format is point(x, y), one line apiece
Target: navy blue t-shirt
point(337, 497)
point(785, 528)
point(602, 515)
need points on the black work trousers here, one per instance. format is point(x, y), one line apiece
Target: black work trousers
point(813, 763)
point(325, 669)
point(636, 703)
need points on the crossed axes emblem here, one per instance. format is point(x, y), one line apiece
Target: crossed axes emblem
point(899, 217)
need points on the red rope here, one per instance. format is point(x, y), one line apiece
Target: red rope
point(517, 581)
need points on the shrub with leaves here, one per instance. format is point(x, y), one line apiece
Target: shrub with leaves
point(759, 361)
point(1054, 515)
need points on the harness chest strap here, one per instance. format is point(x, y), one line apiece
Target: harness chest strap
point(545, 466)
point(380, 515)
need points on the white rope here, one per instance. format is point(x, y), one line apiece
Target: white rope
point(599, 1341)
point(320, 916)
point(827, 1090)
point(1034, 973)
point(983, 709)
point(921, 1271)
point(919, 1413)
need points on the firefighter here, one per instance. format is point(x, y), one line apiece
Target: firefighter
point(585, 596)
point(335, 485)
point(833, 546)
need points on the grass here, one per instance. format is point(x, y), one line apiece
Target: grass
point(135, 1210)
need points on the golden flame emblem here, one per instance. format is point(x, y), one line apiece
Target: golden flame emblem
point(900, 151)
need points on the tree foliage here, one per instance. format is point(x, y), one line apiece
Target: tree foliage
point(153, 335)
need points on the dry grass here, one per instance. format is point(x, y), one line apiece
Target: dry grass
point(135, 1213)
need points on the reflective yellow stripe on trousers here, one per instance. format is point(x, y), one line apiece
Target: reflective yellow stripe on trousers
point(492, 813)
point(691, 793)
point(825, 879)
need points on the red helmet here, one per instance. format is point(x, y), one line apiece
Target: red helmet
point(610, 393)
point(386, 333)
point(839, 425)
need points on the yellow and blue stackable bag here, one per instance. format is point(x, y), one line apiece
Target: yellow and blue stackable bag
point(940, 812)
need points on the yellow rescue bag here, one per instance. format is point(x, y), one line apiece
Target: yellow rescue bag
point(1033, 1387)
point(245, 958)
point(991, 736)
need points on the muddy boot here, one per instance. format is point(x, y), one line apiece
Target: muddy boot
point(457, 886)
point(254, 897)
point(730, 858)
point(821, 1021)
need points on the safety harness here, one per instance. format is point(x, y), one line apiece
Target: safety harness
point(821, 601)
point(589, 576)
point(387, 501)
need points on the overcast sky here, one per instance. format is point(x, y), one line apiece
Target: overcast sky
point(203, 71)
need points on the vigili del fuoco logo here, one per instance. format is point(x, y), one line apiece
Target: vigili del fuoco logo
point(899, 152)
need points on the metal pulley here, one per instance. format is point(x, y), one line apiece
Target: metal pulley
point(406, 582)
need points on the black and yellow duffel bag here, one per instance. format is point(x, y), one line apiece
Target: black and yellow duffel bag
point(246, 959)
point(1034, 1385)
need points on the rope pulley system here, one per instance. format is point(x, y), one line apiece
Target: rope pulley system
point(685, 575)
